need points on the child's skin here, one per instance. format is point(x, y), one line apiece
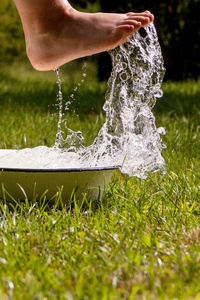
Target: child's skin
point(56, 33)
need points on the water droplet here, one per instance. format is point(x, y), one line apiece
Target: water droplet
point(158, 94)
point(161, 130)
point(118, 57)
point(124, 76)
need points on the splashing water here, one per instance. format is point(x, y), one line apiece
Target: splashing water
point(129, 138)
point(60, 110)
point(74, 139)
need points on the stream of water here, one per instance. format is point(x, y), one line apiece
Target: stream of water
point(129, 138)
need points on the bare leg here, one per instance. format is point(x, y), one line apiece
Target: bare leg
point(56, 33)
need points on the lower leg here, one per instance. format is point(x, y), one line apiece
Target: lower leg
point(56, 33)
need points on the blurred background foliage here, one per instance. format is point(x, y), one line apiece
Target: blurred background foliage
point(12, 44)
point(177, 23)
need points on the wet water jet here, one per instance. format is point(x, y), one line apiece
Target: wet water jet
point(129, 138)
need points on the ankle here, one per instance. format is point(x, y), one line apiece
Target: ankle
point(47, 21)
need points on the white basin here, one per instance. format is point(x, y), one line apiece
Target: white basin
point(28, 183)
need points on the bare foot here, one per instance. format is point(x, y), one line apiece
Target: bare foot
point(70, 34)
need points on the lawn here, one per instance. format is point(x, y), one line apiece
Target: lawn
point(141, 241)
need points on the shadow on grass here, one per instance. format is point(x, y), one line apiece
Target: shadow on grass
point(43, 96)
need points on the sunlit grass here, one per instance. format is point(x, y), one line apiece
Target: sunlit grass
point(141, 241)
point(29, 107)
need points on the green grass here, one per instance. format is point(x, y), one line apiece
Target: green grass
point(141, 241)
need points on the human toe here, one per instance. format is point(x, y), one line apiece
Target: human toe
point(126, 30)
point(149, 15)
